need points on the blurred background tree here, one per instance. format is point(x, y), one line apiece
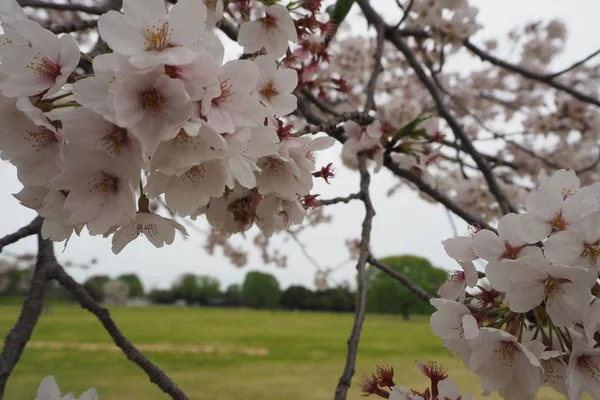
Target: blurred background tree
point(260, 290)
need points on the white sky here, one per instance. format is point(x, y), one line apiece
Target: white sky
point(404, 224)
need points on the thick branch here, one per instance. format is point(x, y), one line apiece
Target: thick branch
point(31, 229)
point(341, 391)
point(156, 375)
point(547, 79)
point(400, 278)
point(19, 335)
point(74, 26)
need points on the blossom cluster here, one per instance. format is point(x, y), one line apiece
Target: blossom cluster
point(441, 387)
point(534, 320)
point(161, 116)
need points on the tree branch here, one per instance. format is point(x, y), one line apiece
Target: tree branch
point(336, 200)
point(391, 34)
point(423, 295)
point(64, 7)
point(19, 335)
point(156, 375)
point(74, 26)
point(377, 69)
point(341, 391)
point(547, 79)
point(31, 229)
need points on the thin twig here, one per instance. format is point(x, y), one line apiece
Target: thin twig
point(573, 66)
point(336, 200)
point(31, 229)
point(404, 280)
point(156, 375)
point(377, 69)
point(304, 250)
point(547, 79)
point(74, 26)
point(341, 391)
point(19, 335)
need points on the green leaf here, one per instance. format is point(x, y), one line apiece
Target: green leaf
point(268, 2)
point(410, 129)
point(339, 11)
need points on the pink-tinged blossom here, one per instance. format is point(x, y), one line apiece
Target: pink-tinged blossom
point(503, 364)
point(591, 320)
point(579, 245)
point(497, 248)
point(454, 324)
point(153, 106)
point(176, 156)
point(454, 288)
point(275, 86)
point(564, 290)
point(460, 248)
point(549, 211)
point(101, 188)
point(43, 66)
point(56, 226)
point(33, 149)
point(244, 148)
point(554, 371)
point(583, 372)
point(273, 32)
point(274, 214)
point(361, 139)
point(200, 76)
point(150, 36)
point(234, 106)
point(233, 212)
point(185, 193)
point(158, 230)
point(84, 127)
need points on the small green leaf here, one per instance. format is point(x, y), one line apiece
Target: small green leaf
point(268, 2)
point(339, 11)
point(410, 129)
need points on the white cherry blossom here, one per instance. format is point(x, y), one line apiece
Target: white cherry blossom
point(506, 245)
point(583, 372)
point(158, 230)
point(43, 66)
point(150, 36)
point(564, 290)
point(454, 287)
point(275, 86)
point(273, 32)
point(460, 248)
point(579, 245)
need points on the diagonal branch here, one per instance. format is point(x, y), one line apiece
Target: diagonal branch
point(419, 291)
point(341, 391)
point(336, 200)
point(31, 229)
point(547, 79)
point(19, 335)
point(391, 34)
point(377, 69)
point(156, 375)
point(74, 26)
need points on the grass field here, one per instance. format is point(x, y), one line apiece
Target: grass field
point(222, 354)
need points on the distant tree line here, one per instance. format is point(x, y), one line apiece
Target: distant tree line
point(261, 290)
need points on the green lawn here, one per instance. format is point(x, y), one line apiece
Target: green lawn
point(222, 354)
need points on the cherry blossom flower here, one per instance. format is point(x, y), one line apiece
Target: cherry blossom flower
point(275, 214)
point(244, 148)
point(49, 390)
point(84, 127)
point(273, 32)
point(502, 363)
point(591, 320)
point(43, 66)
point(460, 248)
point(361, 139)
point(190, 190)
point(234, 212)
point(153, 106)
point(579, 245)
point(234, 106)
point(554, 371)
point(101, 188)
point(454, 324)
point(56, 226)
point(158, 230)
point(583, 371)
point(448, 389)
point(150, 36)
point(454, 287)
point(506, 245)
point(200, 76)
point(550, 212)
point(564, 290)
point(275, 86)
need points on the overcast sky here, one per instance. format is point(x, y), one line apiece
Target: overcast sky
point(404, 224)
